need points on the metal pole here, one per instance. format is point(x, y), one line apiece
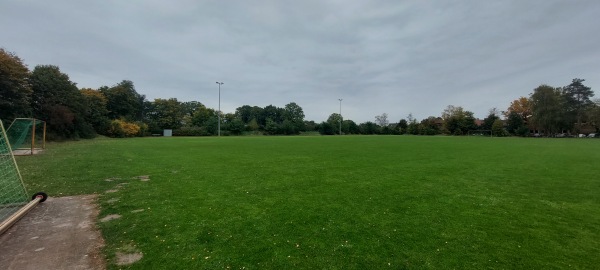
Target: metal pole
point(340, 115)
point(219, 112)
point(19, 214)
point(32, 135)
point(44, 137)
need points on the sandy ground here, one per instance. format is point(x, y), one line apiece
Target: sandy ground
point(27, 152)
point(59, 233)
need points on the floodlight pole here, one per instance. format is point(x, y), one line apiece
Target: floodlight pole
point(219, 112)
point(340, 115)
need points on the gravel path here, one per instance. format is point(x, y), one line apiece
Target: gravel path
point(59, 233)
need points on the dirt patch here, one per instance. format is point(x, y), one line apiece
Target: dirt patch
point(128, 258)
point(57, 234)
point(27, 152)
point(111, 191)
point(137, 210)
point(122, 185)
point(110, 217)
point(113, 200)
point(143, 178)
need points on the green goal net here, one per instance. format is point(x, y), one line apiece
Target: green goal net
point(26, 134)
point(12, 191)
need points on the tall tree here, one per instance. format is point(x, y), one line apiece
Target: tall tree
point(521, 106)
point(412, 127)
point(577, 97)
point(189, 107)
point(369, 128)
point(245, 113)
point(58, 101)
point(293, 112)
point(123, 101)
point(514, 123)
point(457, 121)
point(594, 115)
point(202, 115)
point(350, 127)
point(546, 108)
point(489, 121)
point(498, 128)
point(15, 90)
point(271, 112)
point(429, 126)
point(167, 113)
point(382, 120)
point(295, 115)
point(335, 120)
point(95, 111)
point(401, 126)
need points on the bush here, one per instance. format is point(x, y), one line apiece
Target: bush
point(236, 127)
point(197, 131)
point(120, 129)
point(498, 129)
point(144, 129)
point(522, 131)
point(325, 128)
point(86, 131)
point(252, 133)
point(189, 131)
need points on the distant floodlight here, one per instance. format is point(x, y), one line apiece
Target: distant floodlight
point(219, 112)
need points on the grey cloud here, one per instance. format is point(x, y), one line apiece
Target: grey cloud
point(384, 56)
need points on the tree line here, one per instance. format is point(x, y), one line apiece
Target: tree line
point(119, 110)
point(48, 94)
point(547, 111)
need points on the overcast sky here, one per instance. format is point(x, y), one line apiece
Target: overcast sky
point(394, 57)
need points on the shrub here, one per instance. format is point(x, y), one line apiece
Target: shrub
point(522, 131)
point(143, 129)
point(498, 128)
point(191, 131)
point(120, 129)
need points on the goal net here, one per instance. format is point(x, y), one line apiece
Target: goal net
point(12, 191)
point(26, 135)
point(485, 133)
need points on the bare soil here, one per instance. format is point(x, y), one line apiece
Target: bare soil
point(60, 233)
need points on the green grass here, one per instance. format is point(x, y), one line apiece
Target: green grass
point(352, 202)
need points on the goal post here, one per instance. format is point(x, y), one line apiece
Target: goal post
point(14, 201)
point(485, 133)
point(12, 190)
point(27, 135)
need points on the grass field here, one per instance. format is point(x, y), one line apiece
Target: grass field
point(355, 202)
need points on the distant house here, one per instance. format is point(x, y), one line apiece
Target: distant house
point(478, 122)
point(439, 122)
